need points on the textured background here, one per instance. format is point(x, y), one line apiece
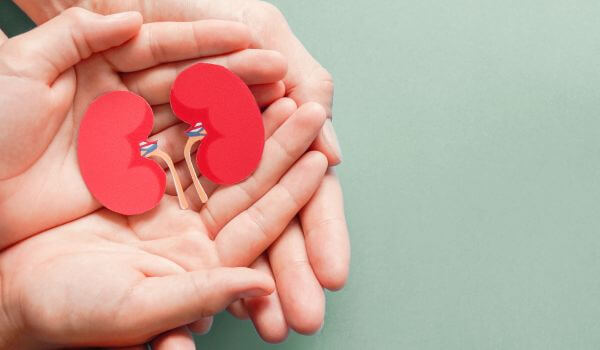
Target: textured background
point(471, 139)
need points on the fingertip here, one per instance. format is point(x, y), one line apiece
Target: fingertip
point(313, 114)
point(287, 104)
point(275, 333)
point(334, 278)
point(329, 252)
point(268, 318)
point(319, 160)
point(179, 338)
point(279, 62)
point(309, 315)
point(262, 283)
point(267, 94)
point(238, 310)
point(202, 326)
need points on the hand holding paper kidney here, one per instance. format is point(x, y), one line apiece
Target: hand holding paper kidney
point(113, 149)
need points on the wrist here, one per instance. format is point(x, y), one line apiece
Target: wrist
point(42, 11)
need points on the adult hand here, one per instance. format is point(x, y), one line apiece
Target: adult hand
point(50, 75)
point(113, 280)
point(323, 258)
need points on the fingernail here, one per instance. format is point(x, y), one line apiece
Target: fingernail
point(257, 292)
point(331, 138)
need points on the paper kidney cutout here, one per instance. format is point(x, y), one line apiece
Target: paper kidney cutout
point(109, 154)
point(221, 101)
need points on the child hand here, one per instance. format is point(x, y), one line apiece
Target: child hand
point(52, 73)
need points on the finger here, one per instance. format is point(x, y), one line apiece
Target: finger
point(163, 42)
point(238, 310)
point(276, 114)
point(273, 117)
point(179, 338)
point(327, 143)
point(281, 150)
point(202, 326)
point(161, 303)
point(326, 233)
point(172, 140)
point(301, 295)
point(266, 311)
point(48, 50)
point(265, 94)
point(163, 118)
point(252, 66)
point(247, 235)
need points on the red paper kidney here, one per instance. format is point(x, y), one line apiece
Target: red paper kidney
point(109, 154)
point(222, 102)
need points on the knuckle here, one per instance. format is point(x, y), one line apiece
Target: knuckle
point(257, 218)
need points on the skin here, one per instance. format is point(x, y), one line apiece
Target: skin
point(59, 77)
point(52, 73)
point(121, 280)
point(322, 221)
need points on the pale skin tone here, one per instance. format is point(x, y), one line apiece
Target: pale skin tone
point(107, 279)
point(112, 280)
point(322, 258)
point(325, 262)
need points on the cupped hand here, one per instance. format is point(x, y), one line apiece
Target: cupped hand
point(112, 280)
point(52, 73)
point(322, 260)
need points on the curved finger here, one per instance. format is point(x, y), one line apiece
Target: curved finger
point(179, 338)
point(326, 233)
point(247, 235)
point(281, 150)
point(161, 303)
point(328, 144)
point(265, 94)
point(202, 326)
point(301, 295)
point(238, 310)
point(266, 312)
point(251, 65)
point(163, 42)
point(48, 50)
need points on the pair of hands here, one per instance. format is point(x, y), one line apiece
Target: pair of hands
point(183, 244)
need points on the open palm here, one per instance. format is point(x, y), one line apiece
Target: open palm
point(120, 280)
point(40, 173)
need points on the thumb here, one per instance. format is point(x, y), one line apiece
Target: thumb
point(48, 50)
point(163, 303)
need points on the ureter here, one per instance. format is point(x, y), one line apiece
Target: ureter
point(180, 195)
point(187, 153)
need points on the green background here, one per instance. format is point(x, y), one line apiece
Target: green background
point(471, 139)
